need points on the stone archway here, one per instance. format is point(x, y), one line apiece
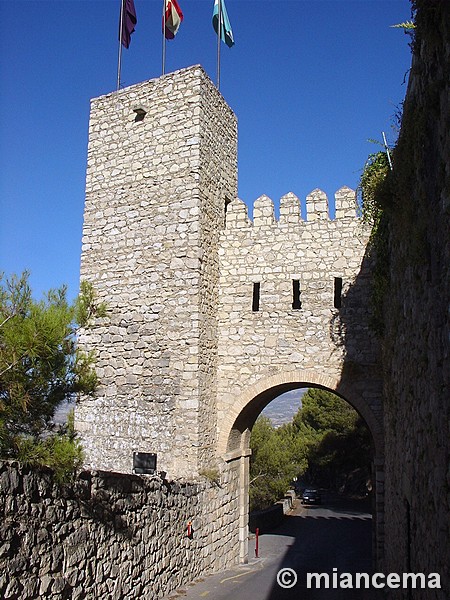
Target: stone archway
point(235, 431)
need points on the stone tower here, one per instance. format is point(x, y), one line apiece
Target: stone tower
point(162, 167)
point(211, 315)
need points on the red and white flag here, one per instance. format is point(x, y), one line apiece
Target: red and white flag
point(172, 18)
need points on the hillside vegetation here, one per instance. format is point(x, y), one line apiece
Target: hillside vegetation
point(327, 444)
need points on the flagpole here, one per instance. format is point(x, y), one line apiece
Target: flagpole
point(386, 147)
point(219, 32)
point(119, 62)
point(164, 39)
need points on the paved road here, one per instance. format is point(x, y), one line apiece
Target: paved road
point(314, 539)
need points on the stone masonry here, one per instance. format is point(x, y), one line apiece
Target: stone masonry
point(308, 343)
point(155, 192)
point(110, 536)
point(416, 349)
point(311, 280)
point(210, 316)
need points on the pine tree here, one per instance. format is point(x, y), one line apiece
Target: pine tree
point(40, 365)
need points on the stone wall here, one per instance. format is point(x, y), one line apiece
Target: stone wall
point(328, 328)
point(274, 253)
point(417, 336)
point(168, 246)
point(161, 163)
point(110, 535)
point(312, 280)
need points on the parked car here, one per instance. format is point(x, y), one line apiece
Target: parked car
point(311, 496)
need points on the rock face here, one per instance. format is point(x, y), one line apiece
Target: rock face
point(109, 535)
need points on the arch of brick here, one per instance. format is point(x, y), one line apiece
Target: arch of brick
point(211, 314)
point(253, 400)
point(235, 431)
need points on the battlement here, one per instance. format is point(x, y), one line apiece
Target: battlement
point(290, 263)
point(317, 210)
point(194, 288)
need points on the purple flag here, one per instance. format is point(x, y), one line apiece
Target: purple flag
point(129, 20)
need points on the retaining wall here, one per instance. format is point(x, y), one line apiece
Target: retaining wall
point(417, 342)
point(110, 535)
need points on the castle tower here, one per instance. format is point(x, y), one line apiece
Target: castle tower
point(161, 169)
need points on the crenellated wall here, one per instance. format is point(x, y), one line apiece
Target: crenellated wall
point(290, 213)
point(210, 315)
point(328, 326)
point(294, 309)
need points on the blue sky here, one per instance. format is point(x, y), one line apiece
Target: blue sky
point(310, 82)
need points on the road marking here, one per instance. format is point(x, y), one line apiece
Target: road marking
point(204, 594)
point(236, 576)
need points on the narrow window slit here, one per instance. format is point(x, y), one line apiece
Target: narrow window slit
point(225, 207)
point(337, 292)
point(296, 304)
point(256, 295)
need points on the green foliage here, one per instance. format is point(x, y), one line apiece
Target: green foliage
point(323, 411)
point(370, 188)
point(338, 440)
point(86, 307)
point(60, 452)
point(277, 456)
point(212, 474)
point(326, 444)
point(376, 195)
point(405, 25)
point(40, 367)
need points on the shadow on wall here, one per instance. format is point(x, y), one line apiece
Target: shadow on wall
point(350, 329)
point(361, 379)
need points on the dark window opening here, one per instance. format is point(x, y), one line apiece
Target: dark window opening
point(337, 292)
point(296, 304)
point(256, 294)
point(140, 114)
point(225, 208)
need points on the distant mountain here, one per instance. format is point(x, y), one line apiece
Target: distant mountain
point(60, 416)
point(283, 408)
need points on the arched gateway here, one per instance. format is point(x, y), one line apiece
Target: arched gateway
point(211, 315)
